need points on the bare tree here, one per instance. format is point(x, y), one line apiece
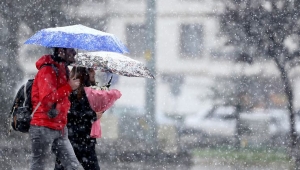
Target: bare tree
point(11, 71)
point(245, 92)
point(260, 29)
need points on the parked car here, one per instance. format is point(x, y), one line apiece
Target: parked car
point(211, 126)
point(217, 126)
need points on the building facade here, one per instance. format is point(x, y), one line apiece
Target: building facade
point(190, 54)
point(186, 36)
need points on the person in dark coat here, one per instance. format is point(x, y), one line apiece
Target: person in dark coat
point(80, 119)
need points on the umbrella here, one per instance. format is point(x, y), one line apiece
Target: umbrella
point(114, 63)
point(79, 37)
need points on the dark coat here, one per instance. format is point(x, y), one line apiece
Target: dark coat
point(80, 119)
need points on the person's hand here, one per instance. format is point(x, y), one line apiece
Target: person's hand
point(99, 114)
point(74, 83)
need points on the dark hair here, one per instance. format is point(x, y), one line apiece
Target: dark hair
point(82, 73)
point(56, 50)
point(92, 83)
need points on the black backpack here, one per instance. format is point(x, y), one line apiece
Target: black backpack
point(21, 111)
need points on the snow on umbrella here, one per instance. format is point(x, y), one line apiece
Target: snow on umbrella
point(100, 100)
point(114, 63)
point(78, 37)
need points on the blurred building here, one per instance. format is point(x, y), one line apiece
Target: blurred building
point(186, 40)
point(190, 53)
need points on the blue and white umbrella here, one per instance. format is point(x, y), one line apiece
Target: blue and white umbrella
point(78, 37)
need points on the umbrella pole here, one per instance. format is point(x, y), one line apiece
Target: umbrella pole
point(76, 66)
point(75, 71)
point(109, 82)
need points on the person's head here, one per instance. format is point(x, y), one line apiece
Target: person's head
point(86, 77)
point(82, 74)
point(66, 54)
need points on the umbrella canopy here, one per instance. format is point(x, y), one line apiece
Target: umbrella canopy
point(79, 37)
point(114, 63)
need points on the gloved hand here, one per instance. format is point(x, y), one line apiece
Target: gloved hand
point(52, 113)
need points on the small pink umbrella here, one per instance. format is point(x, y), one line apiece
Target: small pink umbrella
point(100, 101)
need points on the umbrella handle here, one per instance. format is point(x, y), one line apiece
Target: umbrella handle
point(75, 72)
point(109, 82)
point(76, 66)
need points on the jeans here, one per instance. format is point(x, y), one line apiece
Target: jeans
point(45, 140)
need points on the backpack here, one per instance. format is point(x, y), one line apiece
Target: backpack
point(21, 111)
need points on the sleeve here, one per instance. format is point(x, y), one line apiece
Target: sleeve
point(89, 112)
point(48, 91)
point(82, 111)
point(81, 108)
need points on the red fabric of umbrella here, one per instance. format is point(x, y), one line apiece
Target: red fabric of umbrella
point(100, 101)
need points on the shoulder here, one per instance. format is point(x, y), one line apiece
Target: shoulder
point(46, 71)
point(46, 59)
point(47, 68)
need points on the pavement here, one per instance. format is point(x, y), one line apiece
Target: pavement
point(15, 155)
point(20, 160)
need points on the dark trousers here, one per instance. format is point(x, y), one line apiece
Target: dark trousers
point(85, 154)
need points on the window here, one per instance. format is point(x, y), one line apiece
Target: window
point(136, 39)
point(191, 40)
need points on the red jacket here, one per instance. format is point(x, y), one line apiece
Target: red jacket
point(49, 88)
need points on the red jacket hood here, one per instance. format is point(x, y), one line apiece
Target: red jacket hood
point(46, 59)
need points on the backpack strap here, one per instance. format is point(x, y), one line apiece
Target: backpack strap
point(38, 105)
point(25, 92)
point(25, 87)
point(53, 67)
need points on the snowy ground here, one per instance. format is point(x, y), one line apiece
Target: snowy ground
point(139, 166)
point(19, 160)
point(14, 157)
point(198, 165)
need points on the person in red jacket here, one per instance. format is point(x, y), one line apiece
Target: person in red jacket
point(49, 97)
